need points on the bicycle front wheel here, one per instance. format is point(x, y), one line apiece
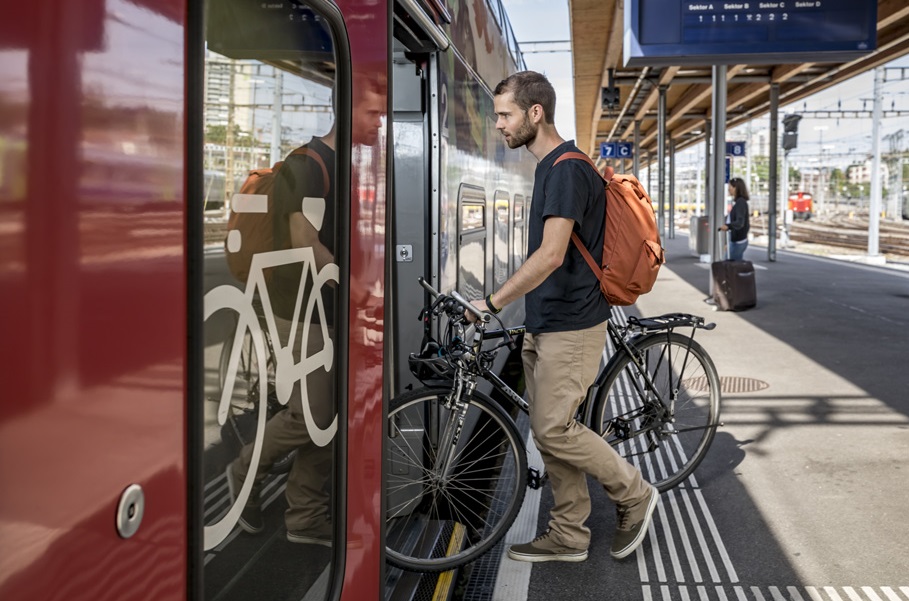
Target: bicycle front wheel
point(443, 516)
point(660, 415)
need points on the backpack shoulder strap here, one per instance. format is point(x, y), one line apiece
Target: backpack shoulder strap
point(583, 157)
point(309, 152)
point(607, 178)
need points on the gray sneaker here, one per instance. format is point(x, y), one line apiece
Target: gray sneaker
point(320, 535)
point(251, 519)
point(633, 521)
point(544, 548)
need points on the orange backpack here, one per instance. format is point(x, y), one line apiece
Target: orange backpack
point(250, 227)
point(632, 253)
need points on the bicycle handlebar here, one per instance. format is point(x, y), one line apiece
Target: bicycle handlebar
point(480, 315)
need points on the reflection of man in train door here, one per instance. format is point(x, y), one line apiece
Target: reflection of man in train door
point(309, 221)
point(566, 331)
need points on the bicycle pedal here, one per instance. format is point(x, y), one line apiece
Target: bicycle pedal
point(535, 479)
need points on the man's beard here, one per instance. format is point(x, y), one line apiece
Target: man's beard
point(526, 134)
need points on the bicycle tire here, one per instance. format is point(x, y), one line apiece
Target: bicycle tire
point(427, 517)
point(228, 298)
point(666, 448)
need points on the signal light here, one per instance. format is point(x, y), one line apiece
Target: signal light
point(791, 123)
point(791, 131)
point(610, 96)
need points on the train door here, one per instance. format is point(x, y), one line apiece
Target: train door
point(292, 199)
point(93, 303)
point(419, 104)
point(413, 203)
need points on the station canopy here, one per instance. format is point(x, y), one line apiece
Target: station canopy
point(597, 34)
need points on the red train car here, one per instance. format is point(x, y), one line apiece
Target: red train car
point(139, 448)
point(801, 205)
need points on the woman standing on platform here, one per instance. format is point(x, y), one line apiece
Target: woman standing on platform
point(737, 220)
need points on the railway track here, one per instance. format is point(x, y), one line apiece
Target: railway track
point(845, 231)
point(840, 230)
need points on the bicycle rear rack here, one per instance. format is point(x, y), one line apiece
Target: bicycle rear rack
point(668, 321)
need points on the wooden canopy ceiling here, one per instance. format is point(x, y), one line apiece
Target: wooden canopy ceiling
point(597, 29)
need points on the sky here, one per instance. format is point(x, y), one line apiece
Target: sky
point(844, 141)
point(547, 20)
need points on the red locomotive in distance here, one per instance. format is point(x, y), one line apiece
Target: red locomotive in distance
point(801, 205)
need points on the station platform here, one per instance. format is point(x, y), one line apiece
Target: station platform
point(803, 493)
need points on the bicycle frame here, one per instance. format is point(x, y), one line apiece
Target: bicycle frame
point(653, 416)
point(624, 346)
point(471, 369)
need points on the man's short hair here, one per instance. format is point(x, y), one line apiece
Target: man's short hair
point(530, 88)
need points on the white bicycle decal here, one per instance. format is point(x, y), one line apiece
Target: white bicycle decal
point(287, 371)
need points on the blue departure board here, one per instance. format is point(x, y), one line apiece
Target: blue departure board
point(686, 32)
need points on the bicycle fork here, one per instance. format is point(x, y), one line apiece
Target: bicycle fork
point(451, 434)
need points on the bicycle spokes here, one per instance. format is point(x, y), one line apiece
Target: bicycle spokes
point(455, 479)
point(652, 410)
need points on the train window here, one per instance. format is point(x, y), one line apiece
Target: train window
point(519, 249)
point(500, 246)
point(273, 212)
point(472, 242)
point(473, 216)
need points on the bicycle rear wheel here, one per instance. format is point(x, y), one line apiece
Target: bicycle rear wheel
point(436, 522)
point(663, 415)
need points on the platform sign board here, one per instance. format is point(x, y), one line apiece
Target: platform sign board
point(617, 150)
point(709, 32)
point(735, 149)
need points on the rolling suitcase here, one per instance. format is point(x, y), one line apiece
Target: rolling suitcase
point(734, 286)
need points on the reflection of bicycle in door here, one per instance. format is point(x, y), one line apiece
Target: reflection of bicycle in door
point(256, 356)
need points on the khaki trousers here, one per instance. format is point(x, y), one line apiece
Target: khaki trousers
point(559, 367)
point(308, 483)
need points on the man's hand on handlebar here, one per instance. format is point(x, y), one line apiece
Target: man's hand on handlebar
point(480, 305)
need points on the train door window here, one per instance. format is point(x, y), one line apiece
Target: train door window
point(519, 249)
point(500, 245)
point(273, 212)
point(472, 242)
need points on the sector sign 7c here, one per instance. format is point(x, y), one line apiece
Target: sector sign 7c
point(704, 32)
point(617, 150)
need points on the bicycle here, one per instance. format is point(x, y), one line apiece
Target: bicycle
point(253, 347)
point(457, 463)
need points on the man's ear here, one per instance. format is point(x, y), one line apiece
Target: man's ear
point(536, 113)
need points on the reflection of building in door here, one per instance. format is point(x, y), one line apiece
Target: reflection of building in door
point(246, 102)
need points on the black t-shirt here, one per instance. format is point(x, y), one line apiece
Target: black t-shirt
point(299, 177)
point(570, 298)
